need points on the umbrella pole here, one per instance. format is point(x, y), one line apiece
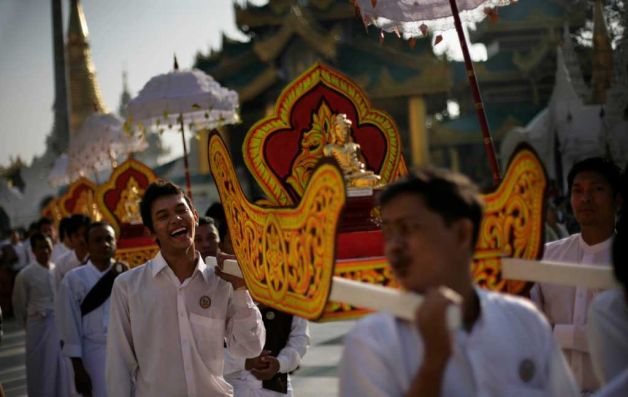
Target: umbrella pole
point(188, 184)
point(477, 98)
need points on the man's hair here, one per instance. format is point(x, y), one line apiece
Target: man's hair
point(94, 225)
point(44, 221)
point(63, 227)
point(206, 220)
point(602, 166)
point(76, 222)
point(451, 195)
point(217, 212)
point(155, 190)
point(37, 237)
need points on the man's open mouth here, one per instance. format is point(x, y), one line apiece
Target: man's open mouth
point(179, 232)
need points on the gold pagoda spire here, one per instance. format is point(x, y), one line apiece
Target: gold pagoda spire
point(602, 73)
point(85, 95)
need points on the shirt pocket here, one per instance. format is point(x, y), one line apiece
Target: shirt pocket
point(209, 339)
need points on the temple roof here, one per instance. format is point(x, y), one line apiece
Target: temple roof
point(390, 70)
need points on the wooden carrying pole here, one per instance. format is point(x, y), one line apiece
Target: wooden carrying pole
point(399, 303)
point(568, 274)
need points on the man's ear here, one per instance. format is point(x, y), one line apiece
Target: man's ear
point(195, 212)
point(464, 231)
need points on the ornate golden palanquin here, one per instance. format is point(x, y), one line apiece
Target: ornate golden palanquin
point(81, 199)
point(282, 151)
point(287, 252)
point(119, 200)
point(53, 211)
point(514, 220)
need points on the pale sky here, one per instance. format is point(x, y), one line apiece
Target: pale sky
point(137, 35)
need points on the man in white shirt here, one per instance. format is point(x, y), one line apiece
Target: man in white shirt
point(430, 223)
point(83, 310)
point(46, 373)
point(171, 317)
point(76, 234)
point(608, 317)
point(594, 197)
point(63, 246)
point(206, 239)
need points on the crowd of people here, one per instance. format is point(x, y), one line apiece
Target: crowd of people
point(179, 326)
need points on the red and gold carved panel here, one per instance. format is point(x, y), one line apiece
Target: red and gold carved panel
point(81, 199)
point(53, 211)
point(367, 270)
point(281, 150)
point(513, 222)
point(286, 253)
point(119, 198)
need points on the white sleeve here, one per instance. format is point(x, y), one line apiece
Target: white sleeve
point(290, 356)
point(560, 378)
point(363, 369)
point(20, 299)
point(120, 363)
point(69, 318)
point(245, 334)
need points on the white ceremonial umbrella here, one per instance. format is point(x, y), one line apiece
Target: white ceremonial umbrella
point(415, 18)
point(180, 98)
point(58, 176)
point(99, 143)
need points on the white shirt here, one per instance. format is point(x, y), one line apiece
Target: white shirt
point(245, 384)
point(509, 352)
point(608, 334)
point(59, 250)
point(166, 338)
point(566, 307)
point(74, 328)
point(66, 263)
point(32, 293)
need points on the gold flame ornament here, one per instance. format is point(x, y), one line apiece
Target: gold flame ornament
point(286, 254)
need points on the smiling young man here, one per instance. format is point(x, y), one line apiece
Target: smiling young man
point(594, 197)
point(171, 317)
point(430, 223)
point(82, 310)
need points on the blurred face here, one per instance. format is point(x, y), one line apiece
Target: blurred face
point(101, 243)
point(77, 240)
point(42, 251)
point(422, 249)
point(592, 200)
point(15, 237)
point(206, 240)
point(47, 230)
point(173, 222)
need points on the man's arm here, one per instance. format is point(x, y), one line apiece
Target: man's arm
point(245, 330)
point(121, 363)
point(19, 299)
point(70, 324)
point(290, 356)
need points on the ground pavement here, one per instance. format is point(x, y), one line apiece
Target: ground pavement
point(317, 377)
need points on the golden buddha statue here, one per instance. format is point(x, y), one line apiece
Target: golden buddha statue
point(348, 155)
point(128, 208)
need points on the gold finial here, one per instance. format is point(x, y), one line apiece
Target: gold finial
point(602, 72)
point(85, 95)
